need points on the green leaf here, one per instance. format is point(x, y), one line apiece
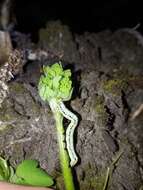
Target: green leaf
point(57, 68)
point(31, 174)
point(17, 180)
point(4, 170)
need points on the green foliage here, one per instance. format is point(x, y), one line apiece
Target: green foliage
point(27, 173)
point(55, 86)
point(31, 174)
point(55, 83)
point(5, 170)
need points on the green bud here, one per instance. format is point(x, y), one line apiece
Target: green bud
point(55, 83)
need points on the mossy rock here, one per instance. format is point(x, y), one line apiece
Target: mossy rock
point(93, 179)
point(114, 86)
point(59, 39)
point(99, 105)
point(100, 109)
point(17, 88)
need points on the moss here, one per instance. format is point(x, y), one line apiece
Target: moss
point(6, 113)
point(98, 182)
point(59, 181)
point(28, 103)
point(17, 87)
point(114, 86)
point(93, 180)
point(5, 128)
point(5, 116)
point(100, 109)
point(99, 105)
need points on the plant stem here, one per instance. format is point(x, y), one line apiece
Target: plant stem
point(64, 158)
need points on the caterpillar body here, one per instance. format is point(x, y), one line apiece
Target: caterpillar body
point(70, 129)
point(69, 132)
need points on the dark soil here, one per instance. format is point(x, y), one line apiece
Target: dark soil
point(108, 94)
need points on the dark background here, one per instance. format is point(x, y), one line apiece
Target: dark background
point(80, 16)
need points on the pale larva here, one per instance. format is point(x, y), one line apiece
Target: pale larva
point(69, 132)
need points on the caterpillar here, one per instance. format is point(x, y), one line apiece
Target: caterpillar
point(69, 132)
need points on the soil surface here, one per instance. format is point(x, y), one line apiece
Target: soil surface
point(107, 72)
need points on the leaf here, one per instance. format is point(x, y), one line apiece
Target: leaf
point(17, 180)
point(31, 174)
point(4, 170)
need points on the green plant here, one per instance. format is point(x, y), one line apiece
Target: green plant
point(26, 173)
point(55, 86)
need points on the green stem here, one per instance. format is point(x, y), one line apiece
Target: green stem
point(64, 158)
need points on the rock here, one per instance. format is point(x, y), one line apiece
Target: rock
point(5, 46)
point(58, 38)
